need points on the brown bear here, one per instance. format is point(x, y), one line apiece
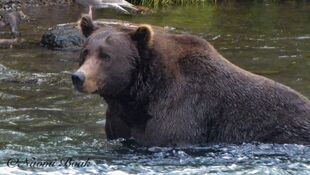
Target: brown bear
point(174, 89)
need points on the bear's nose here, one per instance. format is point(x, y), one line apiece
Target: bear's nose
point(78, 79)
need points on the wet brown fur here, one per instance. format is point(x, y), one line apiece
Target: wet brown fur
point(167, 89)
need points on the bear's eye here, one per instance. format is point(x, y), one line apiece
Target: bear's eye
point(103, 55)
point(84, 53)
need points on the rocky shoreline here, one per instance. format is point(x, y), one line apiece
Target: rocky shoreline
point(14, 5)
point(69, 37)
point(60, 37)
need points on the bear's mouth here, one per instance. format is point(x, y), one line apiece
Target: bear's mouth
point(98, 91)
point(81, 89)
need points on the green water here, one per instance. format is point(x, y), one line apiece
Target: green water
point(41, 116)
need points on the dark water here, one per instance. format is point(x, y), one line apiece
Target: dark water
point(43, 119)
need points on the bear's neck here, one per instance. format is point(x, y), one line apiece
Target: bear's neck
point(147, 82)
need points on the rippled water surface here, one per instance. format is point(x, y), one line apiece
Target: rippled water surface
point(44, 119)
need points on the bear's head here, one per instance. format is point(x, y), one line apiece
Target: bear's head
point(109, 58)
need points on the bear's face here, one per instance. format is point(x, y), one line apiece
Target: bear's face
point(108, 58)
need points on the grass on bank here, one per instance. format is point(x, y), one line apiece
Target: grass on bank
point(168, 3)
point(165, 3)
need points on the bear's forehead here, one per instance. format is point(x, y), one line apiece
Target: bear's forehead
point(105, 37)
point(101, 34)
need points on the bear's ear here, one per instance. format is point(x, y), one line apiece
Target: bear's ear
point(144, 35)
point(87, 26)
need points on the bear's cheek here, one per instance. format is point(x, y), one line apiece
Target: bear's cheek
point(90, 86)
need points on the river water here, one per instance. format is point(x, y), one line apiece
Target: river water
point(44, 120)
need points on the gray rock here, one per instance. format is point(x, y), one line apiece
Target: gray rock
point(61, 37)
point(69, 37)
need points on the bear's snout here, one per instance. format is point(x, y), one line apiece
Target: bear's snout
point(78, 79)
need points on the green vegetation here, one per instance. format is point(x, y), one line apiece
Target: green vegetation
point(169, 3)
point(165, 3)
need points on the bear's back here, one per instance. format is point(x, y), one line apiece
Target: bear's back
point(241, 106)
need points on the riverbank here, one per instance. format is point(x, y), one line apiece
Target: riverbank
point(8, 5)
